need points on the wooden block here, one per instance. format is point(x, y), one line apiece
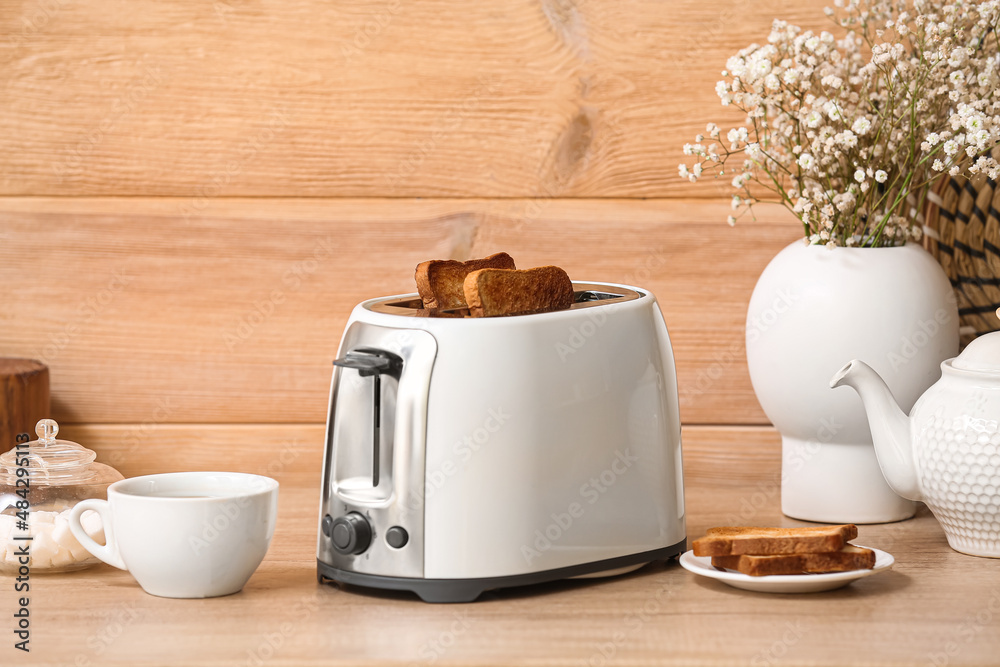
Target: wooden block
point(24, 398)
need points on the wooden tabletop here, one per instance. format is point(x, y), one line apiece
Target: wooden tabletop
point(935, 607)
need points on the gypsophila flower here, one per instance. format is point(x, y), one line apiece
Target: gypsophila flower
point(861, 126)
point(850, 131)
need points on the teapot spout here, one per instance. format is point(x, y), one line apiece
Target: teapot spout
point(890, 426)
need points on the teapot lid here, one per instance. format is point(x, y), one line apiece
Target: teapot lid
point(982, 354)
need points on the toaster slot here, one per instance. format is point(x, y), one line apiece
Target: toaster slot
point(371, 392)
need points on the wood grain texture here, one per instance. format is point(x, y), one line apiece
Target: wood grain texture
point(719, 455)
point(236, 315)
point(581, 98)
point(935, 604)
point(24, 398)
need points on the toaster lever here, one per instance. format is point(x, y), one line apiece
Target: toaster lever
point(365, 363)
point(373, 363)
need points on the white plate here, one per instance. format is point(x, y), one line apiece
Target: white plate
point(784, 583)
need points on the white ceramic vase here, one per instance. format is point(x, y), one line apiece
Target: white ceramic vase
point(816, 308)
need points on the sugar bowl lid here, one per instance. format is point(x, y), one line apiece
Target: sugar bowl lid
point(48, 461)
point(982, 354)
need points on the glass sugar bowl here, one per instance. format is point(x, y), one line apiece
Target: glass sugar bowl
point(58, 475)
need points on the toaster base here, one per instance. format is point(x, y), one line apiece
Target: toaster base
point(467, 590)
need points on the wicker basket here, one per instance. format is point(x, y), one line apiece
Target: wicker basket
point(962, 230)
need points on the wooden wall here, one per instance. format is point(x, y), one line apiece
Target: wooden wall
point(194, 195)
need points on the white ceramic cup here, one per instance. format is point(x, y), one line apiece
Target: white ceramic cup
point(185, 534)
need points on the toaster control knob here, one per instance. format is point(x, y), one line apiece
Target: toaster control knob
point(351, 533)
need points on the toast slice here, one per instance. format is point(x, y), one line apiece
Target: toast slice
point(849, 557)
point(440, 282)
point(737, 540)
point(497, 292)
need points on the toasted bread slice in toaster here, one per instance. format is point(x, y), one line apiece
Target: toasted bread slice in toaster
point(736, 540)
point(849, 557)
point(497, 292)
point(440, 282)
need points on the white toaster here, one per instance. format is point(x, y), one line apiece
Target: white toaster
point(468, 454)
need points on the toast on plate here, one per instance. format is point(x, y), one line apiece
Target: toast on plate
point(847, 558)
point(760, 541)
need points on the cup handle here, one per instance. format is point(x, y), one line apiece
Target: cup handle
point(108, 553)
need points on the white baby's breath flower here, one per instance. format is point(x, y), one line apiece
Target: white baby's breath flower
point(910, 87)
point(957, 57)
point(861, 126)
point(759, 69)
point(847, 139)
point(731, 220)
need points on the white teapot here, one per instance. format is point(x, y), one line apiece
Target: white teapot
point(947, 452)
